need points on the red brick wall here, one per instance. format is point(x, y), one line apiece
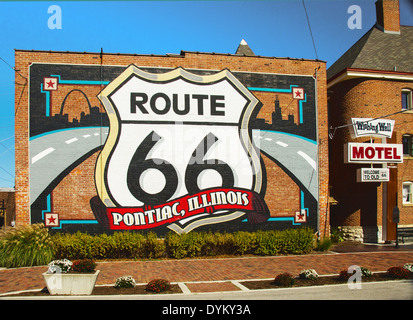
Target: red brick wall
point(388, 15)
point(361, 203)
point(186, 60)
point(73, 106)
point(72, 195)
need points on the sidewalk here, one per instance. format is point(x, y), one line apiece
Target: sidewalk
point(210, 275)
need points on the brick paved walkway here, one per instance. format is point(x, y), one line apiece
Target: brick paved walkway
point(215, 269)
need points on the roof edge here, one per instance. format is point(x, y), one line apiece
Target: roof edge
point(181, 54)
point(98, 53)
point(364, 38)
point(255, 56)
point(380, 74)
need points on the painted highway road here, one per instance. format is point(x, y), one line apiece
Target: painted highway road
point(65, 147)
point(296, 154)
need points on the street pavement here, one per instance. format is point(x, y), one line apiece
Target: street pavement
point(217, 279)
point(385, 290)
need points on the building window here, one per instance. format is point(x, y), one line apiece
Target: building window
point(407, 141)
point(406, 99)
point(407, 192)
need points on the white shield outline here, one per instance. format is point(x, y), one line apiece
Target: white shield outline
point(114, 132)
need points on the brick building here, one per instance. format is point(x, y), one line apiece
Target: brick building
point(122, 141)
point(7, 207)
point(373, 79)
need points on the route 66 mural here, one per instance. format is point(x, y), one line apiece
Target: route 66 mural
point(154, 176)
point(172, 150)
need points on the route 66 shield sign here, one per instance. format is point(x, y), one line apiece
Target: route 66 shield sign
point(179, 152)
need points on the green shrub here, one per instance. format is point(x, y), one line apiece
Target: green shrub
point(174, 246)
point(324, 245)
point(268, 243)
point(215, 244)
point(187, 245)
point(152, 247)
point(129, 245)
point(244, 242)
point(193, 242)
point(120, 245)
point(197, 244)
point(25, 246)
point(284, 280)
point(290, 241)
point(336, 235)
point(297, 241)
point(158, 285)
point(211, 243)
point(72, 246)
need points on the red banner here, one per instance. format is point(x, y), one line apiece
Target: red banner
point(208, 201)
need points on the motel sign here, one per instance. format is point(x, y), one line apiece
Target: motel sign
point(373, 153)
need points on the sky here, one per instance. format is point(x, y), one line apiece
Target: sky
point(275, 28)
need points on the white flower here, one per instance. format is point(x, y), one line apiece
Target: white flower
point(365, 272)
point(59, 266)
point(310, 274)
point(125, 282)
point(409, 266)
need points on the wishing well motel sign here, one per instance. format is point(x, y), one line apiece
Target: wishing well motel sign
point(377, 153)
point(380, 128)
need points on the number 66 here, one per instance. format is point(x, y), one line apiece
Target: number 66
point(139, 164)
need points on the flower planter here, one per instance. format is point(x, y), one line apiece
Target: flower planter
point(70, 283)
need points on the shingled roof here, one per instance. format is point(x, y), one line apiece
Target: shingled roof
point(378, 50)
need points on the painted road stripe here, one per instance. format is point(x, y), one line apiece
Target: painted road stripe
point(86, 136)
point(71, 141)
point(239, 285)
point(184, 288)
point(282, 144)
point(268, 139)
point(308, 159)
point(42, 154)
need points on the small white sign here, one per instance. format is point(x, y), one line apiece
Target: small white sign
point(301, 216)
point(373, 175)
point(49, 84)
point(362, 127)
point(298, 93)
point(373, 153)
point(51, 219)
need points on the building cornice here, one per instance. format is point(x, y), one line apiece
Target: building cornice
point(352, 73)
